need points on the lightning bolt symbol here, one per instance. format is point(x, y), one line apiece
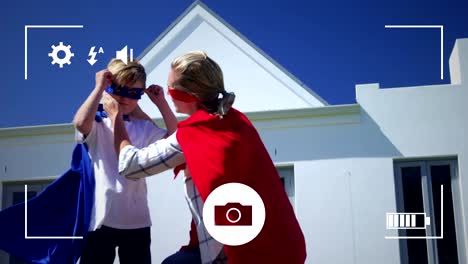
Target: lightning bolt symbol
point(92, 55)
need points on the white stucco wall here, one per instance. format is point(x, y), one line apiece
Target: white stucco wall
point(344, 187)
point(39, 157)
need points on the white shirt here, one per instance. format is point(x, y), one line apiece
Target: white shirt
point(118, 202)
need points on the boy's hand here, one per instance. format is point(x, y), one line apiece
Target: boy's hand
point(156, 94)
point(111, 106)
point(103, 79)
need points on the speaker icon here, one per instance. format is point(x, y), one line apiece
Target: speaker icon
point(123, 55)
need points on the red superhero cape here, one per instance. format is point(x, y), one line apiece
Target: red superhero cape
point(219, 151)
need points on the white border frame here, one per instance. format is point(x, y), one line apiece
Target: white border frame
point(429, 230)
point(26, 27)
point(441, 27)
point(26, 222)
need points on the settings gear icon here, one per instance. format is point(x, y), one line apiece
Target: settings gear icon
point(64, 49)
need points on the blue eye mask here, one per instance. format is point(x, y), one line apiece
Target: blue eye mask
point(124, 91)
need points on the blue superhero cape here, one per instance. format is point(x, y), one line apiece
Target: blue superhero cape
point(63, 209)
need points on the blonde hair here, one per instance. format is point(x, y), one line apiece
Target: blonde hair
point(202, 77)
point(127, 74)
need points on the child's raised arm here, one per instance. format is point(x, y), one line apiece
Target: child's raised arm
point(84, 117)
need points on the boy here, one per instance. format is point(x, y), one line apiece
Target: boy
point(120, 215)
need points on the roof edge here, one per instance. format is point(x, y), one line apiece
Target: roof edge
point(261, 116)
point(236, 32)
point(169, 28)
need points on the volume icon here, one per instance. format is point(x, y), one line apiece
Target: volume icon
point(123, 55)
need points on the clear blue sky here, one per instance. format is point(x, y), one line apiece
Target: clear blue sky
point(328, 45)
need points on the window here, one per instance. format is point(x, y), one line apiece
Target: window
point(13, 193)
point(287, 178)
point(418, 190)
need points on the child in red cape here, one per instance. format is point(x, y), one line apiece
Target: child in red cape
point(219, 145)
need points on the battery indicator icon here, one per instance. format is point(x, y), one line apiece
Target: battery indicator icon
point(407, 221)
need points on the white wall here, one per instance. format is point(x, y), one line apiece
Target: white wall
point(342, 210)
point(344, 187)
point(36, 157)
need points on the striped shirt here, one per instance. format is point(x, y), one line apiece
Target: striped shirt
point(162, 155)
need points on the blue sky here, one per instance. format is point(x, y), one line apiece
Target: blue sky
point(330, 46)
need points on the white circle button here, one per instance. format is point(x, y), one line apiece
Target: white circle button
point(234, 214)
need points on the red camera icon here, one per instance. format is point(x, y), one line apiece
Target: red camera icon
point(233, 214)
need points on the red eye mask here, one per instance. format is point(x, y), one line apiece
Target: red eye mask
point(182, 96)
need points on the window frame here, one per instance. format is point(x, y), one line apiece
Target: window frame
point(426, 186)
point(289, 182)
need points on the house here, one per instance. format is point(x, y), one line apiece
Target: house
point(344, 167)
